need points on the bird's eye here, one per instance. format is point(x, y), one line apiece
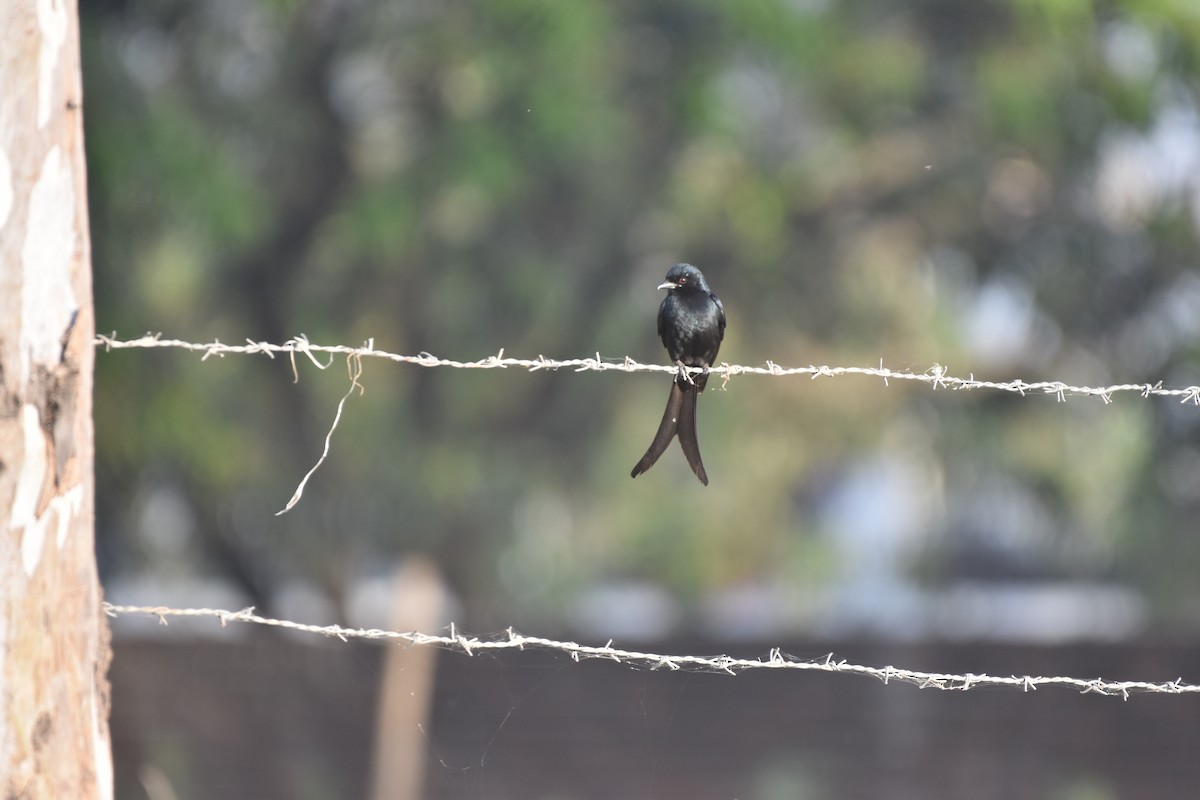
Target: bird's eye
point(682, 280)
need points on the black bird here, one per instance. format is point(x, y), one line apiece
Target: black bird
point(691, 324)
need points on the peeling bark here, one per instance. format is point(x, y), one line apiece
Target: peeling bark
point(54, 648)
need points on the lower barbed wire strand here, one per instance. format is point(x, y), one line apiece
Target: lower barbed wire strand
point(776, 659)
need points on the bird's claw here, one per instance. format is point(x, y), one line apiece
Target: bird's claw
point(685, 373)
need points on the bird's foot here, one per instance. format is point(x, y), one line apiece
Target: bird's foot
point(685, 373)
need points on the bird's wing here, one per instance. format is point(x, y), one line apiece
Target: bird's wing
point(720, 316)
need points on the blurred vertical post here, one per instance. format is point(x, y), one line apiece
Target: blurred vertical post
point(407, 686)
point(54, 648)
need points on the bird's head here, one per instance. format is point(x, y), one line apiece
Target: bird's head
point(684, 277)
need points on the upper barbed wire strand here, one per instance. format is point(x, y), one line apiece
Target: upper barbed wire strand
point(936, 376)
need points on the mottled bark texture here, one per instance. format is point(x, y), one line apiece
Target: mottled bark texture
point(54, 648)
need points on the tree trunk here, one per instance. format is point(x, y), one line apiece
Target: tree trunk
point(54, 649)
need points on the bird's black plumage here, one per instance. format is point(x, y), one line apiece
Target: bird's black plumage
point(691, 324)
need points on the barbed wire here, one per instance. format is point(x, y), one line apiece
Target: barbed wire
point(775, 658)
point(936, 376)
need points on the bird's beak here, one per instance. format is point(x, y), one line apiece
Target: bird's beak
point(668, 285)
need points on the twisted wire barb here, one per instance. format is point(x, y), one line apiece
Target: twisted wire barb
point(775, 659)
point(936, 376)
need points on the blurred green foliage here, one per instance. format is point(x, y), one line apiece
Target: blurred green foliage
point(924, 182)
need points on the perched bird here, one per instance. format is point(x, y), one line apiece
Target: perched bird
point(691, 324)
